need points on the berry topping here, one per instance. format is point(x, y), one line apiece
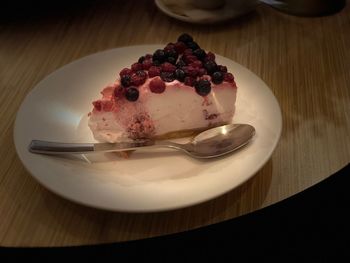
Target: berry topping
point(217, 77)
point(147, 63)
point(180, 47)
point(180, 75)
point(167, 67)
point(203, 87)
point(125, 71)
point(125, 80)
point(193, 45)
point(148, 56)
point(153, 71)
point(159, 55)
point(190, 81)
point(229, 77)
point(157, 85)
point(167, 76)
point(185, 38)
point(210, 66)
point(222, 68)
point(199, 53)
point(132, 94)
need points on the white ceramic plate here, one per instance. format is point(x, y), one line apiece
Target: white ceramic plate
point(56, 109)
point(187, 13)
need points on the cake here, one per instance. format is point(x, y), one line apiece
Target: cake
point(174, 91)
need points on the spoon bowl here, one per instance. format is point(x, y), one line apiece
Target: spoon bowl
point(210, 143)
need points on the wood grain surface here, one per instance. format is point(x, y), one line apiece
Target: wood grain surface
point(304, 60)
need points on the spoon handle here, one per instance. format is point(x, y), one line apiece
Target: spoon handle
point(47, 147)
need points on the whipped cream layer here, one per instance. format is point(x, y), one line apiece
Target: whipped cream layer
point(178, 108)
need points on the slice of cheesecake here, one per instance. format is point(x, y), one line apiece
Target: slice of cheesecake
point(177, 90)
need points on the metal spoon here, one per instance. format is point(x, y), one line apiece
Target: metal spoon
point(207, 144)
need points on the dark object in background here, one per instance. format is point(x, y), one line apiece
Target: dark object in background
point(307, 7)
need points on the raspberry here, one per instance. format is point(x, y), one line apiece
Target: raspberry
point(229, 77)
point(169, 46)
point(202, 71)
point(210, 57)
point(136, 66)
point(180, 47)
point(147, 63)
point(119, 92)
point(97, 105)
point(190, 81)
point(189, 58)
point(125, 71)
point(138, 79)
point(190, 71)
point(196, 64)
point(153, 71)
point(222, 68)
point(188, 51)
point(157, 85)
point(167, 67)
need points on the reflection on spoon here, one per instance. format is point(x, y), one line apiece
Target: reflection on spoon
point(207, 144)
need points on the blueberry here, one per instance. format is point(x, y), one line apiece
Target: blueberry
point(167, 76)
point(192, 45)
point(203, 87)
point(185, 38)
point(159, 55)
point(125, 80)
point(217, 77)
point(132, 94)
point(210, 66)
point(199, 53)
point(180, 75)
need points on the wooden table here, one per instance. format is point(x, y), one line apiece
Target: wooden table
point(305, 62)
